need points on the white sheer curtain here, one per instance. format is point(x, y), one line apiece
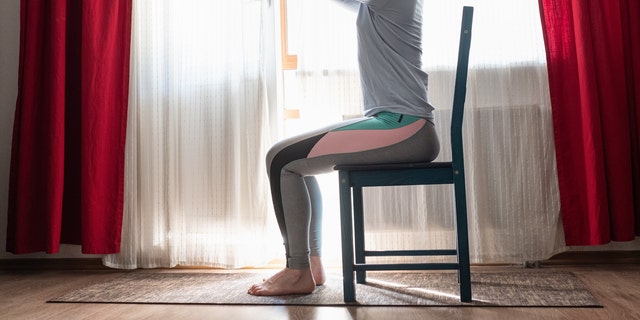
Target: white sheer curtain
point(196, 187)
point(510, 162)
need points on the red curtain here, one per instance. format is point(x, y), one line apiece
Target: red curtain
point(593, 55)
point(67, 161)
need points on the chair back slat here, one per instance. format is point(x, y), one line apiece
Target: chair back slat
point(460, 90)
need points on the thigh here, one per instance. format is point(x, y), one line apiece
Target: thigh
point(299, 146)
point(374, 146)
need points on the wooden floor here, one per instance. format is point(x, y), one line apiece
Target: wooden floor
point(24, 292)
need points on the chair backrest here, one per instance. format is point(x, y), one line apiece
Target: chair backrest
point(460, 90)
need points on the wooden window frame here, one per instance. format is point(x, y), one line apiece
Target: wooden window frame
point(289, 62)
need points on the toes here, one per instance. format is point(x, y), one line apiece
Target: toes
point(254, 289)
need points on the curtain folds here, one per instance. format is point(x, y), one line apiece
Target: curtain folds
point(196, 123)
point(67, 162)
point(594, 75)
point(198, 131)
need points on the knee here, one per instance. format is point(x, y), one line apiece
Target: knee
point(271, 155)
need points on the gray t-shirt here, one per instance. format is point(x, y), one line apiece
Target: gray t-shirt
point(390, 56)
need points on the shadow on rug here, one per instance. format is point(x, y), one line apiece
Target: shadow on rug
point(505, 289)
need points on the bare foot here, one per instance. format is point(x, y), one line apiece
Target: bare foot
point(317, 270)
point(288, 281)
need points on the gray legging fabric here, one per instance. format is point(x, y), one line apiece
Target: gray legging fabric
point(295, 192)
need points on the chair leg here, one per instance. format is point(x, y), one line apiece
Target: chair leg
point(465, 283)
point(348, 285)
point(464, 272)
point(358, 230)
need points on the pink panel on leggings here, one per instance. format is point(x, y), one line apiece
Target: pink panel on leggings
point(347, 141)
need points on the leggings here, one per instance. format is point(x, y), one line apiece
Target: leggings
point(292, 163)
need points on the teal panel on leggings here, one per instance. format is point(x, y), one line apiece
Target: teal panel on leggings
point(382, 121)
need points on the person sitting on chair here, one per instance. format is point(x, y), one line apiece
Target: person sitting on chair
point(397, 126)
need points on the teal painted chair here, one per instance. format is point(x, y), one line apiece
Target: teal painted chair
point(355, 177)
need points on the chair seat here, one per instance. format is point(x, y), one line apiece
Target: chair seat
point(398, 174)
point(392, 166)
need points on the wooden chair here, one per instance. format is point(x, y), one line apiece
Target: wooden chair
point(354, 177)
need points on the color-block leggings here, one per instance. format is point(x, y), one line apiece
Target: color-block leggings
point(291, 163)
